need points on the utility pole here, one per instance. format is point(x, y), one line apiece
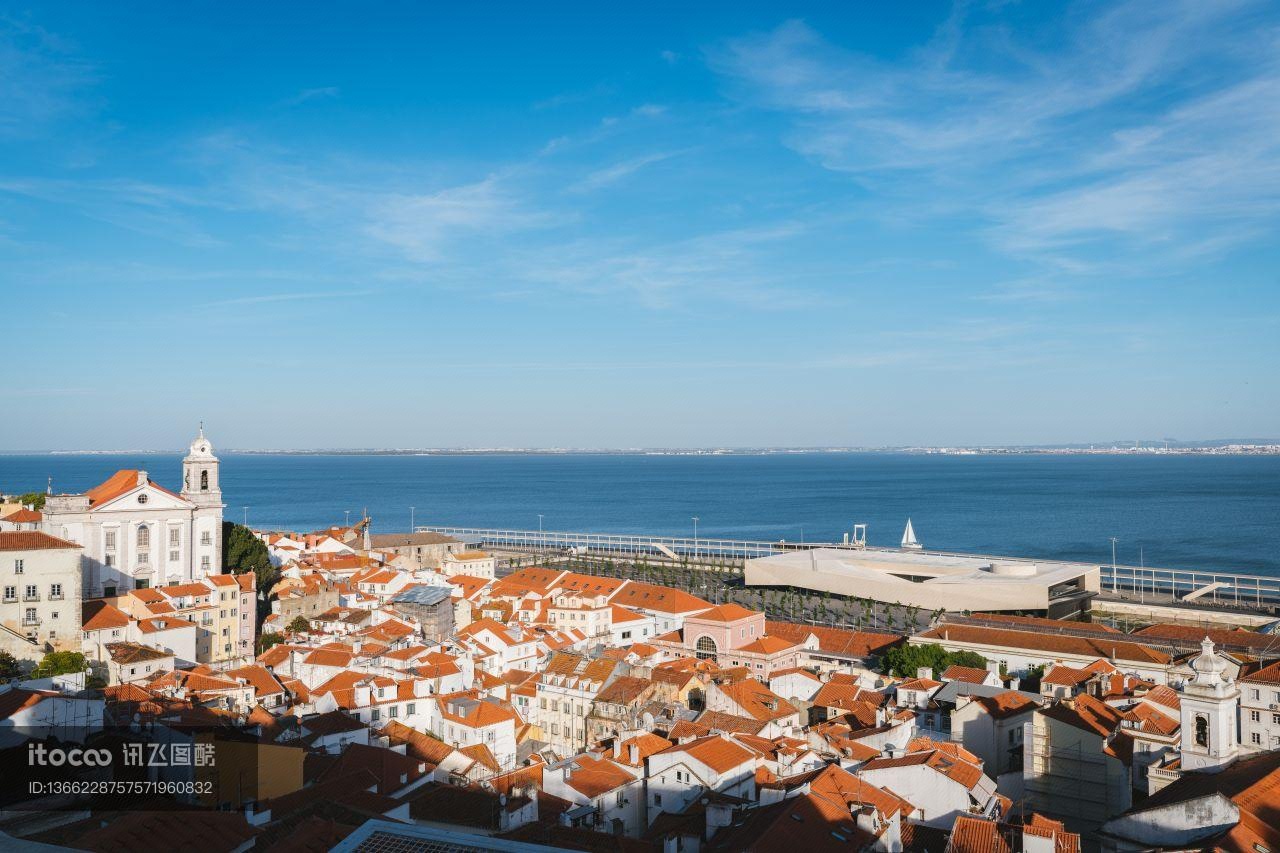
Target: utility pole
point(1114, 579)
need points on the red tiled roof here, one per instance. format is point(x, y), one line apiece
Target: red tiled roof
point(725, 613)
point(1092, 647)
point(98, 615)
point(840, 641)
point(976, 835)
point(31, 540)
point(966, 674)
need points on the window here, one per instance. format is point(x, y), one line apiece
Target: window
point(1257, 695)
point(109, 560)
point(1255, 737)
point(10, 593)
point(110, 540)
point(375, 714)
point(30, 592)
point(174, 556)
point(393, 712)
point(411, 708)
point(1254, 716)
point(206, 538)
point(29, 617)
point(621, 798)
point(142, 498)
point(1275, 719)
point(706, 648)
point(17, 567)
point(204, 564)
point(542, 703)
point(144, 536)
point(204, 481)
point(657, 799)
point(1202, 730)
point(174, 533)
point(53, 615)
point(55, 591)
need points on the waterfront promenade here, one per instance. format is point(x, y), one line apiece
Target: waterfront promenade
point(1137, 585)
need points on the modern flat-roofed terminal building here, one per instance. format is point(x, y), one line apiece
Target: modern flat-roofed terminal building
point(933, 581)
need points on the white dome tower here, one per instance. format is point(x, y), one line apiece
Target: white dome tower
point(1210, 702)
point(200, 473)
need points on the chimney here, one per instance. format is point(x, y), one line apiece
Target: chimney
point(633, 753)
point(617, 747)
point(142, 478)
point(421, 687)
point(892, 750)
point(867, 820)
point(924, 672)
point(568, 770)
point(993, 667)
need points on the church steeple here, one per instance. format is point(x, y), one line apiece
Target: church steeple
point(1210, 702)
point(200, 472)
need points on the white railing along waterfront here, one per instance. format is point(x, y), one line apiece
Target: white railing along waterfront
point(618, 543)
point(1144, 584)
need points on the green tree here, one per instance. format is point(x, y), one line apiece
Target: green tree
point(1031, 681)
point(299, 625)
point(244, 552)
point(60, 663)
point(268, 640)
point(9, 666)
point(904, 660)
point(32, 499)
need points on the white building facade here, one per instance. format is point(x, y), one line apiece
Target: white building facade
point(40, 577)
point(138, 534)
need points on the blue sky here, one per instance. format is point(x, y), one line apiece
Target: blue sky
point(412, 225)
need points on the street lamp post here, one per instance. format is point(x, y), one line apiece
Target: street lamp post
point(1114, 579)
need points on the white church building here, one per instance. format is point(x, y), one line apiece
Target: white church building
point(138, 534)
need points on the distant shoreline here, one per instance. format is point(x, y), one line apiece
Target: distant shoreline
point(1232, 448)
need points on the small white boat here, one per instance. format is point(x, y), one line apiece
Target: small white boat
point(909, 541)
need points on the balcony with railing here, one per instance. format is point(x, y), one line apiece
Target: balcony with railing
point(30, 596)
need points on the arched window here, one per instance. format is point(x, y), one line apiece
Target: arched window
point(706, 648)
point(144, 537)
point(1202, 731)
point(204, 481)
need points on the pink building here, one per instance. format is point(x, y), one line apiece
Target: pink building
point(730, 635)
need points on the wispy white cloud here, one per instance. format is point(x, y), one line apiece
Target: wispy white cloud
point(41, 79)
point(318, 93)
point(1141, 128)
point(618, 171)
point(313, 296)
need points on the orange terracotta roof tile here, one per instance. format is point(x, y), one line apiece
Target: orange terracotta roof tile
point(31, 540)
point(725, 613)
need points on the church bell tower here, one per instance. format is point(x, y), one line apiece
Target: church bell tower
point(200, 474)
point(1210, 701)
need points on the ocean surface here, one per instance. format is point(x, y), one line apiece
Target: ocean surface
point(1214, 513)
